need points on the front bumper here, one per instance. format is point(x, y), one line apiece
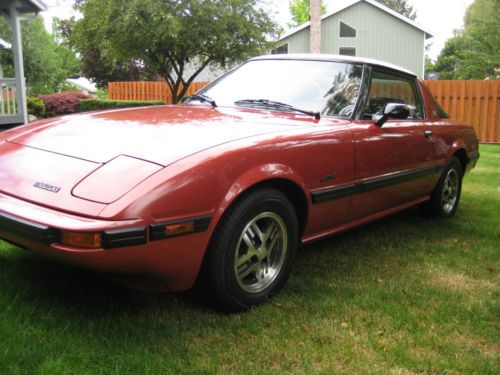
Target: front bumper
point(27, 229)
point(48, 235)
point(172, 263)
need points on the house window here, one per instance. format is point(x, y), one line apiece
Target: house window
point(347, 51)
point(280, 50)
point(347, 31)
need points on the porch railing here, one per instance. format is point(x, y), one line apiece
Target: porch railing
point(8, 97)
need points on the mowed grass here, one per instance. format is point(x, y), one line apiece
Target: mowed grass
point(402, 295)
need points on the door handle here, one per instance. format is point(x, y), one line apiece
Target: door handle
point(428, 133)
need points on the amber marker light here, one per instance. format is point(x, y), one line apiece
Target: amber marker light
point(89, 240)
point(180, 228)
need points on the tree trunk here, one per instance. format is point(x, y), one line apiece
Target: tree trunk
point(315, 28)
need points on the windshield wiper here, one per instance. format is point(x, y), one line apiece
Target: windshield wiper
point(275, 105)
point(204, 99)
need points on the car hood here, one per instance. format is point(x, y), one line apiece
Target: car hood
point(82, 163)
point(162, 134)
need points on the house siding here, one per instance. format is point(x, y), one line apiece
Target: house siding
point(299, 42)
point(379, 35)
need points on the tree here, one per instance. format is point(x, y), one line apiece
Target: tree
point(473, 53)
point(166, 36)
point(448, 59)
point(400, 6)
point(300, 10)
point(96, 66)
point(102, 70)
point(428, 65)
point(482, 34)
point(46, 63)
point(315, 26)
point(68, 62)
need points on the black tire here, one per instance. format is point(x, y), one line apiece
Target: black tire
point(264, 211)
point(446, 195)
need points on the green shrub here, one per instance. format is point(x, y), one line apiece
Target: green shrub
point(36, 107)
point(101, 94)
point(98, 104)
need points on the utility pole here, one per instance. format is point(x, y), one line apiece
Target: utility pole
point(315, 28)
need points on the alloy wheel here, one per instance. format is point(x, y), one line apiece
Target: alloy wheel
point(260, 252)
point(449, 192)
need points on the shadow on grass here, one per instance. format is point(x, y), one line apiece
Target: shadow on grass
point(88, 294)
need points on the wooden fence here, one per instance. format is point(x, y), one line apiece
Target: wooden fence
point(474, 102)
point(146, 90)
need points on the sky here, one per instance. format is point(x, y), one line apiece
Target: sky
point(439, 17)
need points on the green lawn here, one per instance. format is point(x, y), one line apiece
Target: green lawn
point(402, 295)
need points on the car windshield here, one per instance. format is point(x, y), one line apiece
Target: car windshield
point(330, 88)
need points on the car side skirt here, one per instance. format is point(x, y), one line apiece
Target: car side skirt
point(364, 220)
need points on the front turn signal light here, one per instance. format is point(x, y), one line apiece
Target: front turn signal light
point(88, 240)
point(180, 228)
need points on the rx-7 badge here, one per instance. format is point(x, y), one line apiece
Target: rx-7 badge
point(48, 187)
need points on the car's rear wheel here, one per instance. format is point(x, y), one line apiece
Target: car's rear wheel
point(446, 195)
point(251, 253)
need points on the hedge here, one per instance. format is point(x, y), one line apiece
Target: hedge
point(98, 104)
point(36, 107)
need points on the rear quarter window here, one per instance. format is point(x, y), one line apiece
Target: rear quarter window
point(440, 111)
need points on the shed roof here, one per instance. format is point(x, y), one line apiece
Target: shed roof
point(353, 2)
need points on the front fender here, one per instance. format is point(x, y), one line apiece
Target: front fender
point(255, 176)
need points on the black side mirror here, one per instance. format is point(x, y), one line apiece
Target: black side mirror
point(392, 110)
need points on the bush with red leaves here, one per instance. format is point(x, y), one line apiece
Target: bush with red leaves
point(63, 103)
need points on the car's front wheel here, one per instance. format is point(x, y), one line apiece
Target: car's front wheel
point(251, 253)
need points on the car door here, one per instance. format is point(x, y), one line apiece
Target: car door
point(395, 161)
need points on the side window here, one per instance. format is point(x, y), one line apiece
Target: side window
point(440, 111)
point(387, 88)
point(346, 31)
point(347, 51)
point(280, 50)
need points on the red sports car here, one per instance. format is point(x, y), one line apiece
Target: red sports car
point(283, 150)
